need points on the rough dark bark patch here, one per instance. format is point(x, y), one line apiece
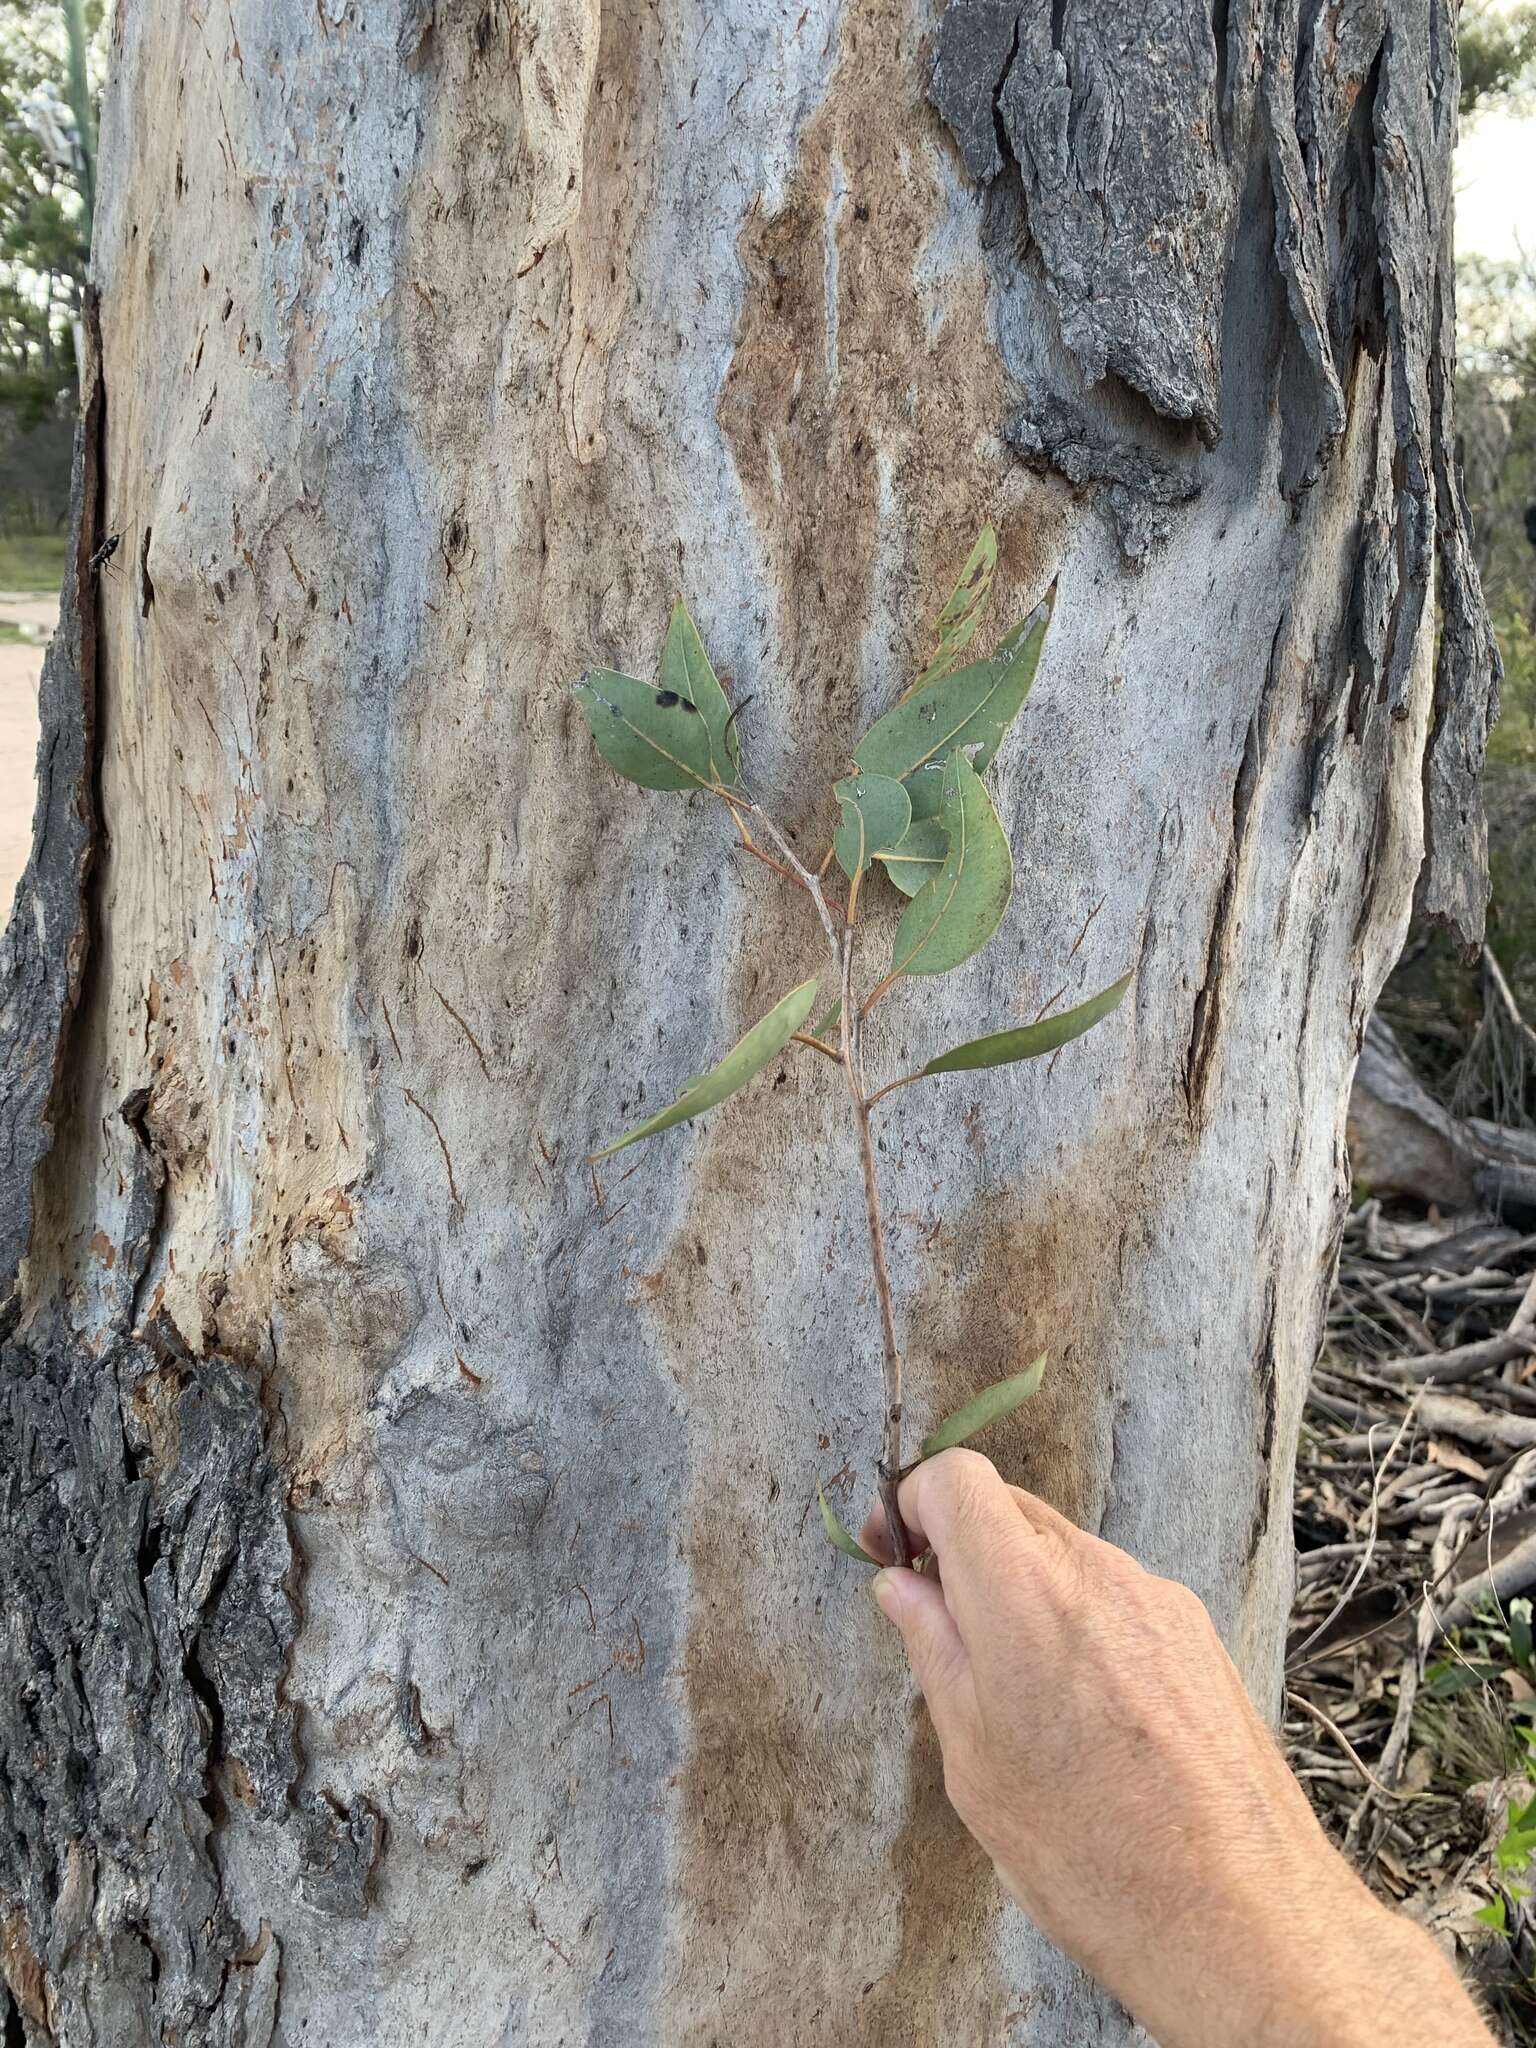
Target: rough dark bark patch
point(1127, 150)
point(147, 1561)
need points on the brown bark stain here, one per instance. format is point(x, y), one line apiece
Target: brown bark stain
point(855, 378)
point(951, 1905)
point(780, 1780)
point(23, 1972)
point(351, 1316)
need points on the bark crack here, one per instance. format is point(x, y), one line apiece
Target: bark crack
point(145, 1545)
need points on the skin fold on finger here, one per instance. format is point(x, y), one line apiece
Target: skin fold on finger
point(1041, 1517)
point(994, 1560)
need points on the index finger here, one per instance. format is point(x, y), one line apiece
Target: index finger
point(875, 1533)
point(981, 1530)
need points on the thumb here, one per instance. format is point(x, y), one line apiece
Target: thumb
point(934, 1649)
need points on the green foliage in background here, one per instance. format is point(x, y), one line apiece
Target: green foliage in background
point(1497, 48)
point(33, 563)
point(49, 87)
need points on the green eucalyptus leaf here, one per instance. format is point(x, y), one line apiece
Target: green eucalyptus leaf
point(989, 1406)
point(925, 787)
point(876, 814)
point(748, 1056)
point(954, 915)
point(824, 1024)
point(970, 707)
point(686, 672)
point(1030, 1040)
point(838, 1535)
point(917, 858)
point(658, 738)
point(1446, 1680)
point(962, 614)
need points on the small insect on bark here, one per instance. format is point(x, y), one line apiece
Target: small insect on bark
point(104, 553)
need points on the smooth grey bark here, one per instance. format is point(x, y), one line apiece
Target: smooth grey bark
point(420, 1628)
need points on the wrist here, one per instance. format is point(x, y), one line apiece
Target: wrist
point(1332, 1967)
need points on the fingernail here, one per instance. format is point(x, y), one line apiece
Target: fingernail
point(883, 1586)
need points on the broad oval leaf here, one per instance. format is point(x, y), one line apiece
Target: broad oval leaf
point(876, 814)
point(963, 611)
point(989, 1406)
point(1030, 1040)
point(972, 707)
point(925, 787)
point(838, 1535)
point(658, 738)
point(954, 915)
point(748, 1056)
point(918, 857)
point(687, 673)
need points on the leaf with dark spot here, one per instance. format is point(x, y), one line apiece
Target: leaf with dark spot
point(659, 744)
point(686, 674)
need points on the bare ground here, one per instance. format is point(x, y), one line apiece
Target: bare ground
point(21, 665)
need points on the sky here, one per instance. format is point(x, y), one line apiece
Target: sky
point(1495, 175)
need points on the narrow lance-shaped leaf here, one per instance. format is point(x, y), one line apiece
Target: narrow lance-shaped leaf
point(918, 857)
point(955, 914)
point(837, 1534)
point(657, 738)
point(748, 1056)
point(1030, 1040)
point(824, 1024)
point(973, 707)
point(686, 672)
point(963, 611)
point(990, 1405)
point(876, 814)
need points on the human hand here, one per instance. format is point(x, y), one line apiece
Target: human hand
point(1100, 1746)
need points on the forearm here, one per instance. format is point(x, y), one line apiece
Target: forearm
point(1330, 1967)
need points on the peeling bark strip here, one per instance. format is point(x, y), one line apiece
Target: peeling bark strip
point(147, 1563)
point(43, 951)
point(1130, 138)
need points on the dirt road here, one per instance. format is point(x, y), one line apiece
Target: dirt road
point(21, 665)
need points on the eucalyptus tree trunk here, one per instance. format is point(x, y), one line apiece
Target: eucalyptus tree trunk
point(418, 1625)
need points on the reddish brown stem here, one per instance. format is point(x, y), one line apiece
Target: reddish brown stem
point(890, 1441)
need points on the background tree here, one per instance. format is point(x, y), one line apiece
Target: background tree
point(46, 147)
point(1497, 51)
point(419, 1623)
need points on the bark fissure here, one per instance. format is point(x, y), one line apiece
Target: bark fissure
point(144, 1540)
point(1358, 156)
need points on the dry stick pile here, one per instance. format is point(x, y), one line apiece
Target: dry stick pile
point(1415, 1506)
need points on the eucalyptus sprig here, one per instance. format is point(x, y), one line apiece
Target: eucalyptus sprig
point(914, 808)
